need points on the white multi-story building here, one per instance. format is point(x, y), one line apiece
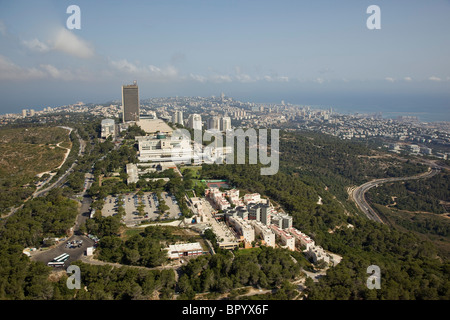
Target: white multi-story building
point(252, 198)
point(195, 121)
point(264, 232)
point(287, 239)
point(218, 197)
point(161, 148)
point(233, 196)
point(214, 123)
point(301, 239)
point(225, 124)
point(242, 228)
point(281, 220)
point(178, 117)
point(108, 128)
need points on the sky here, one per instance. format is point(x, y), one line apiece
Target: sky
point(303, 52)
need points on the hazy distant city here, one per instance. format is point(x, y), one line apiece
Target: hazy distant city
point(402, 131)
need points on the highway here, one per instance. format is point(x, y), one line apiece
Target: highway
point(358, 194)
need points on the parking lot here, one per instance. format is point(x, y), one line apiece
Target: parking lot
point(76, 249)
point(149, 200)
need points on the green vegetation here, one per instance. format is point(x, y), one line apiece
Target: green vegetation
point(24, 279)
point(26, 152)
point(267, 267)
point(409, 266)
point(143, 247)
point(49, 216)
point(21, 278)
point(424, 195)
point(335, 164)
point(124, 283)
point(417, 206)
point(313, 165)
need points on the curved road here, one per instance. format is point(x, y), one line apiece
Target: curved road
point(358, 193)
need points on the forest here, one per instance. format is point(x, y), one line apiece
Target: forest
point(142, 249)
point(427, 195)
point(49, 216)
point(224, 271)
point(411, 267)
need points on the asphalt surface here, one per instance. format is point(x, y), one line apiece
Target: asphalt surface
point(74, 253)
point(359, 193)
point(77, 252)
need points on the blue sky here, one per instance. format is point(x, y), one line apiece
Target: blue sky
point(311, 52)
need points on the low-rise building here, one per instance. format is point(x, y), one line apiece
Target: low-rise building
point(132, 172)
point(317, 254)
point(176, 251)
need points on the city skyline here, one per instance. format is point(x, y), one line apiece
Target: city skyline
point(303, 53)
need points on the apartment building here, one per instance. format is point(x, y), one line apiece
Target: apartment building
point(287, 239)
point(264, 232)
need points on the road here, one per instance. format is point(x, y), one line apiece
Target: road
point(75, 253)
point(359, 193)
point(62, 179)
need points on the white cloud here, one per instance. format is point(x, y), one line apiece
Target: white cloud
point(124, 65)
point(10, 71)
point(389, 79)
point(198, 77)
point(242, 77)
point(36, 45)
point(275, 79)
point(408, 79)
point(434, 78)
point(319, 80)
point(63, 41)
point(51, 70)
point(219, 78)
point(66, 41)
point(149, 72)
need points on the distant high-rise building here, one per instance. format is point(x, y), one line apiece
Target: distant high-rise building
point(130, 102)
point(225, 124)
point(195, 121)
point(32, 112)
point(214, 123)
point(178, 117)
point(24, 113)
